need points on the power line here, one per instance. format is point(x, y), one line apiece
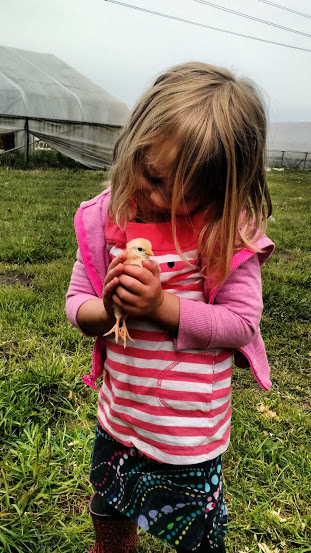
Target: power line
point(205, 26)
point(240, 14)
point(285, 8)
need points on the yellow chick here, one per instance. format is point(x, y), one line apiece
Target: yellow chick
point(138, 250)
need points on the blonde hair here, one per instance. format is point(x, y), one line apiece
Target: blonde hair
point(218, 124)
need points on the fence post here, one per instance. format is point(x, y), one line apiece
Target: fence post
point(27, 140)
point(282, 162)
point(305, 160)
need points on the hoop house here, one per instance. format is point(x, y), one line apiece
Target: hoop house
point(43, 97)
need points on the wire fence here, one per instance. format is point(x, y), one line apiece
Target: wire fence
point(289, 159)
point(275, 158)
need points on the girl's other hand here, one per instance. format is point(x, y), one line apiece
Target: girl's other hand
point(139, 292)
point(112, 280)
point(153, 267)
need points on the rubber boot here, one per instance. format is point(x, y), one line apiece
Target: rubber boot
point(113, 534)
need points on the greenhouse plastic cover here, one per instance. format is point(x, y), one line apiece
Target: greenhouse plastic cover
point(289, 145)
point(63, 108)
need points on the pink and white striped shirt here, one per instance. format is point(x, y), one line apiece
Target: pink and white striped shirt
point(174, 406)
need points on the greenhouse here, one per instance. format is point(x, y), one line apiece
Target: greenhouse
point(289, 145)
point(43, 98)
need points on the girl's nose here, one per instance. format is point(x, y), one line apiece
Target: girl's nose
point(160, 200)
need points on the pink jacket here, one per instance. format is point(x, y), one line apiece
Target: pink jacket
point(230, 317)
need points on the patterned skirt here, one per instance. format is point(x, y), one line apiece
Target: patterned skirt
point(180, 504)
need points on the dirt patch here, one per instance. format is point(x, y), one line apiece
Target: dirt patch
point(284, 256)
point(9, 279)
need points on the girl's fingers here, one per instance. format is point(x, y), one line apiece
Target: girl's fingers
point(114, 273)
point(115, 268)
point(116, 261)
point(131, 284)
point(153, 267)
point(125, 303)
point(125, 296)
point(142, 274)
point(110, 286)
point(116, 300)
point(119, 259)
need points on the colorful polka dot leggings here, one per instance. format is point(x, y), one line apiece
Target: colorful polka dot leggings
point(183, 505)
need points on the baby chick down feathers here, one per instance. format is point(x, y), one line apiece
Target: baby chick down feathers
point(138, 250)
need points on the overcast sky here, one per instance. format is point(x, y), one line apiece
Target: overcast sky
point(123, 49)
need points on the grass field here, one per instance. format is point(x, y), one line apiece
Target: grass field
point(47, 416)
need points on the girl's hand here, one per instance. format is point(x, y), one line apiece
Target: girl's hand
point(152, 266)
point(112, 280)
point(139, 292)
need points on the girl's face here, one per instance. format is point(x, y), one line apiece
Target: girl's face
point(154, 186)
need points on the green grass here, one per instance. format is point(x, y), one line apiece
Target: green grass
point(47, 416)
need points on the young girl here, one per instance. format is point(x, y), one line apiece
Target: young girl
point(189, 176)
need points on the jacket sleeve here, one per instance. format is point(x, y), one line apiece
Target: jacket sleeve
point(80, 290)
point(232, 321)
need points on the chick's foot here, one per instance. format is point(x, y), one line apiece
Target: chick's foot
point(124, 333)
point(116, 330)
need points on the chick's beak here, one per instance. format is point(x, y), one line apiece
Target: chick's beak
point(149, 251)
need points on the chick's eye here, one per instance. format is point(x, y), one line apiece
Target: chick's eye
point(140, 249)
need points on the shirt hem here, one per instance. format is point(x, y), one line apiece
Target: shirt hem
point(161, 456)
